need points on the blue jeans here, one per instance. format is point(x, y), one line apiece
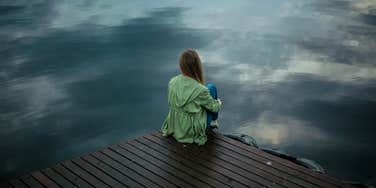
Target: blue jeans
point(211, 115)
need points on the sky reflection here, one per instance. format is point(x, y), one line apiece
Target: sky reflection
point(298, 75)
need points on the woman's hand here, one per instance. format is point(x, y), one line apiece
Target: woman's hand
point(220, 102)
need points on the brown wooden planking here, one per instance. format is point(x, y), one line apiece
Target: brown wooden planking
point(73, 178)
point(126, 181)
point(177, 163)
point(217, 171)
point(229, 157)
point(319, 184)
point(31, 182)
point(275, 168)
point(166, 166)
point(185, 174)
point(222, 140)
point(223, 168)
point(155, 161)
point(97, 173)
point(126, 171)
point(206, 154)
point(44, 180)
point(285, 163)
point(250, 171)
point(170, 152)
point(54, 176)
point(137, 167)
point(197, 155)
point(200, 180)
point(261, 167)
point(283, 169)
point(84, 174)
point(165, 174)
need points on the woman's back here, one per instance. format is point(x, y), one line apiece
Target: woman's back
point(188, 101)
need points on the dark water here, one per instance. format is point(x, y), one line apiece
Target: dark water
point(298, 75)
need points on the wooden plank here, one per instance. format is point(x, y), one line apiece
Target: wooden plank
point(228, 157)
point(125, 180)
point(17, 183)
point(248, 162)
point(151, 166)
point(155, 161)
point(170, 152)
point(258, 176)
point(296, 174)
point(181, 171)
point(176, 163)
point(263, 169)
point(60, 180)
point(137, 167)
point(97, 173)
point(245, 176)
point(263, 164)
point(285, 163)
point(44, 180)
point(30, 181)
point(124, 170)
point(181, 151)
point(211, 163)
point(84, 174)
point(76, 180)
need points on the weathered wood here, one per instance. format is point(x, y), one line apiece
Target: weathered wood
point(151, 166)
point(84, 174)
point(155, 161)
point(178, 165)
point(284, 164)
point(31, 182)
point(97, 173)
point(133, 175)
point(174, 154)
point(263, 169)
point(167, 167)
point(138, 168)
point(60, 180)
point(44, 180)
point(124, 180)
point(214, 163)
point(71, 176)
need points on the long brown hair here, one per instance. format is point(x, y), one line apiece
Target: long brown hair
point(190, 65)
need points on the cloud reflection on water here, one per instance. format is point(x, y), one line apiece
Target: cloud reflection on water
point(306, 85)
point(270, 129)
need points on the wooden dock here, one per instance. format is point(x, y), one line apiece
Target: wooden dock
point(155, 161)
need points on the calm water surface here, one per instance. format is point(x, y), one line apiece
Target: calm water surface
point(298, 75)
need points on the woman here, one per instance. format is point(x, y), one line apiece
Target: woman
point(193, 106)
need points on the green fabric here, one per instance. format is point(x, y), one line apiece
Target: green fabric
point(188, 101)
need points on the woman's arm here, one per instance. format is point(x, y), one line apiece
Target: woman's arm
point(205, 100)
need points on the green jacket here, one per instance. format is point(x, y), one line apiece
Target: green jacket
point(188, 101)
